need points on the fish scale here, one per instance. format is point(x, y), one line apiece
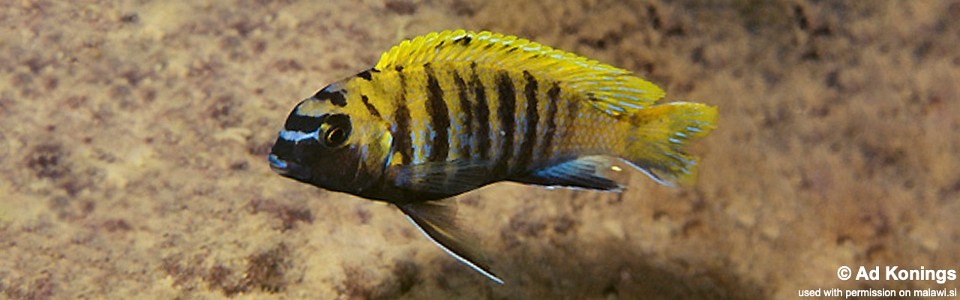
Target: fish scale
point(449, 112)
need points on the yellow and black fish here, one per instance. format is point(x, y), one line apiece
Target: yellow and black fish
point(449, 112)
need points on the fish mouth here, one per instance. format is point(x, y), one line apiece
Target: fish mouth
point(288, 169)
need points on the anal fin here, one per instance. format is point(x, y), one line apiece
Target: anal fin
point(585, 172)
point(437, 221)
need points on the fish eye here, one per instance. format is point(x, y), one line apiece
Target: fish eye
point(335, 136)
point(336, 130)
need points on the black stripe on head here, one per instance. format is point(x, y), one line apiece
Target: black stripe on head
point(506, 113)
point(335, 97)
point(439, 118)
point(365, 75)
point(532, 118)
point(401, 117)
point(553, 99)
point(298, 122)
point(483, 114)
point(467, 109)
point(372, 109)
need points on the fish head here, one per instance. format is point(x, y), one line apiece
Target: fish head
point(330, 143)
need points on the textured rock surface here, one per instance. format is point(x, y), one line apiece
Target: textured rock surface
point(134, 134)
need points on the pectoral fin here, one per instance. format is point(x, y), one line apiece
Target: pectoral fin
point(438, 223)
point(445, 178)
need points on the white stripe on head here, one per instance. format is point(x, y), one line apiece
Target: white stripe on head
point(297, 136)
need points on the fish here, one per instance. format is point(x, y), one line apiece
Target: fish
point(448, 112)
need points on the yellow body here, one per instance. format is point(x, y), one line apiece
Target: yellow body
point(601, 110)
point(449, 112)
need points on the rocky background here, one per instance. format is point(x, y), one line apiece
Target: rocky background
point(134, 135)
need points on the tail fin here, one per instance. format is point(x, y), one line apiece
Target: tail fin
point(662, 131)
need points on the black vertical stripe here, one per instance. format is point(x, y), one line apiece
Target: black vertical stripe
point(404, 144)
point(553, 99)
point(439, 118)
point(532, 118)
point(401, 117)
point(506, 112)
point(573, 111)
point(483, 114)
point(467, 109)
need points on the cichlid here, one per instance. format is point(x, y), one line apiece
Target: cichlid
point(449, 112)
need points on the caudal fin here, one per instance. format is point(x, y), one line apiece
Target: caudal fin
point(662, 131)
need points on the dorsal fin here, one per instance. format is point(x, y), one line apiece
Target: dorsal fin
point(610, 89)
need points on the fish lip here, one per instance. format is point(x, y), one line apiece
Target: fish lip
point(288, 169)
point(278, 165)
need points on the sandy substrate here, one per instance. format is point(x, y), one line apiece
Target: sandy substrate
point(134, 135)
